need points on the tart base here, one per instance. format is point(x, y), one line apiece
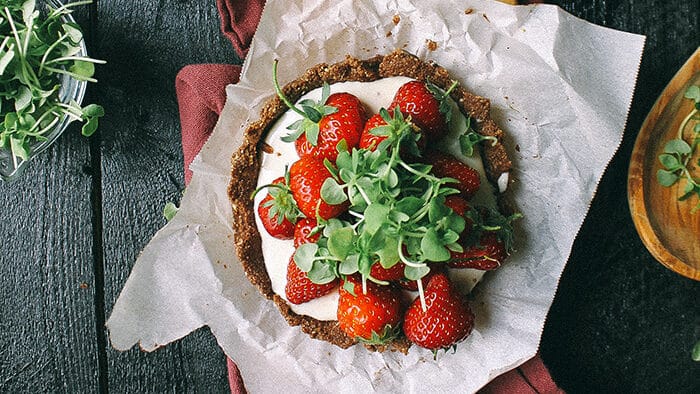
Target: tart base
point(245, 166)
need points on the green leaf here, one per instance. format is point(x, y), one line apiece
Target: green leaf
point(340, 242)
point(293, 136)
point(321, 273)
point(669, 161)
point(74, 32)
point(389, 253)
point(432, 248)
point(90, 127)
point(678, 146)
point(304, 256)
point(695, 353)
point(332, 193)
point(311, 113)
point(29, 12)
point(169, 211)
point(23, 98)
point(312, 134)
point(6, 58)
point(92, 110)
point(349, 287)
point(693, 93)
point(666, 178)
point(82, 70)
point(19, 148)
point(348, 266)
point(416, 273)
point(375, 216)
point(689, 191)
point(410, 205)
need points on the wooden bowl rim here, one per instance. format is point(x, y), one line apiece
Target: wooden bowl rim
point(636, 190)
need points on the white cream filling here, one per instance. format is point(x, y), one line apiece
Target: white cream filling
point(374, 95)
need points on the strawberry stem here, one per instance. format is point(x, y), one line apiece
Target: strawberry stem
point(279, 92)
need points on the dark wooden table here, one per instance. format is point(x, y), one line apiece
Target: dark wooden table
point(73, 226)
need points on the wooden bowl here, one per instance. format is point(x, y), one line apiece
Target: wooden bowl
point(666, 226)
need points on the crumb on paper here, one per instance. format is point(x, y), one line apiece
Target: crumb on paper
point(432, 45)
point(396, 19)
point(388, 34)
point(468, 11)
point(486, 17)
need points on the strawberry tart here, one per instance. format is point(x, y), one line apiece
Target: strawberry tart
point(368, 202)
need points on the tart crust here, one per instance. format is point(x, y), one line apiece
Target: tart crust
point(245, 166)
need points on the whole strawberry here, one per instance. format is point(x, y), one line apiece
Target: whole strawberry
point(489, 254)
point(448, 166)
point(300, 289)
point(278, 211)
point(373, 316)
point(306, 177)
point(345, 124)
point(426, 105)
point(446, 320)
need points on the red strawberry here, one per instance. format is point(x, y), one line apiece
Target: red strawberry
point(306, 176)
point(446, 165)
point(372, 316)
point(344, 124)
point(369, 140)
point(302, 231)
point(426, 106)
point(278, 210)
point(325, 123)
point(391, 274)
point(488, 255)
point(446, 320)
point(300, 288)
point(457, 204)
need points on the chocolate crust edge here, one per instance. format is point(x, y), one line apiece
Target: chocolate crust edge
point(245, 166)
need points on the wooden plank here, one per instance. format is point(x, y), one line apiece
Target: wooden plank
point(47, 283)
point(47, 316)
point(620, 321)
point(146, 43)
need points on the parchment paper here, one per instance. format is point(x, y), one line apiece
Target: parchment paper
point(560, 88)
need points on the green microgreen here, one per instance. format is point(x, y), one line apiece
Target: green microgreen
point(38, 51)
point(445, 106)
point(169, 210)
point(397, 210)
point(470, 138)
point(310, 111)
point(397, 213)
point(676, 158)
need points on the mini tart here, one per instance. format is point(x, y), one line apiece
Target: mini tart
point(246, 166)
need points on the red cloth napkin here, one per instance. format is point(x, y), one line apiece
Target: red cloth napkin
point(201, 94)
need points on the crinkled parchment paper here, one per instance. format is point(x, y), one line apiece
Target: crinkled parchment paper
point(560, 87)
